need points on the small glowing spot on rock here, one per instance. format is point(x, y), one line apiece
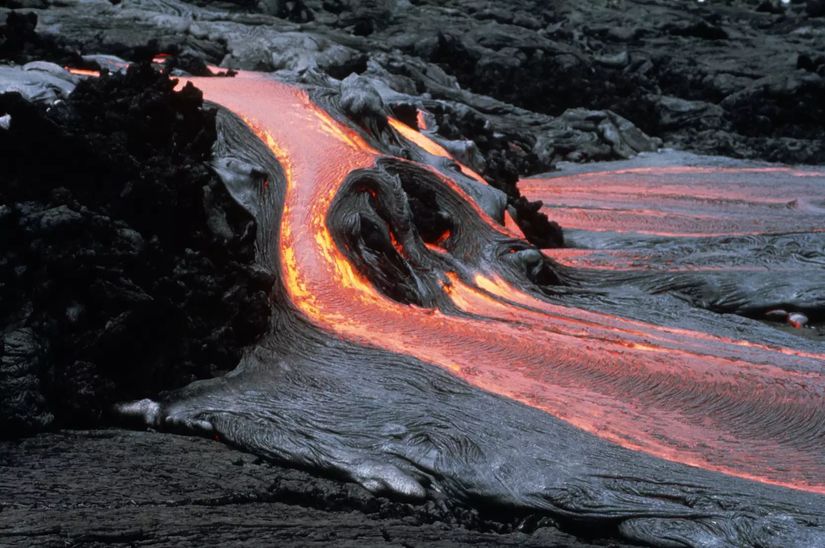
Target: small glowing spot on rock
point(421, 121)
point(83, 72)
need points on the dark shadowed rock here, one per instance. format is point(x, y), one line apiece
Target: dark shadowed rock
point(23, 407)
point(126, 264)
point(108, 486)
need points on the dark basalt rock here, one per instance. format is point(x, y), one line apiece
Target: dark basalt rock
point(785, 105)
point(91, 487)
point(815, 8)
point(23, 407)
point(17, 32)
point(126, 266)
point(20, 43)
point(547, 59)
point(692, 78)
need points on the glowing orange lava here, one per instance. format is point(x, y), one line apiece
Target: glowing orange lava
point(83, 72)
point(161, 58)
point(427, 144)
point(421, 121)
point(511, 225)
point(684, 201)
point(745, 409)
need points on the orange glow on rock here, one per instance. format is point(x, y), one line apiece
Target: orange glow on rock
point(683, 201)
point(421, 121)
point(680, 395)
point(442, 239)
point(511, 225)
point(83, 72)
point(425, 143)
point(418, 138)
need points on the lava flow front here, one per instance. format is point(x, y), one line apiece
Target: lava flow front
point(745, 409)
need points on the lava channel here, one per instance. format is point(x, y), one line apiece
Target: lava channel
point(748, 410)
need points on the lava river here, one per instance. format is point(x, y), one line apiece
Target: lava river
point(745, 409)
point(679, 212)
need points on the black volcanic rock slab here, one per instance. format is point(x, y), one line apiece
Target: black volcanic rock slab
point(125, 262)
point(100, 487)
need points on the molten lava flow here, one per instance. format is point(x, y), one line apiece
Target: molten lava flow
point(745, 409)
point(427, 144)
point(83, 72)
point(421, 120)
point(684, 201)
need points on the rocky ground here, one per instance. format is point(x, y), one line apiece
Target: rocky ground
point(100, 487)
point(535, 81)
point(513, 89)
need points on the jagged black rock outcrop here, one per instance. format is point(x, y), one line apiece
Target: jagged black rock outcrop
point(125, 266)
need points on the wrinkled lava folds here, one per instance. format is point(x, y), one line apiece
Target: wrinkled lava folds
point(747, 409)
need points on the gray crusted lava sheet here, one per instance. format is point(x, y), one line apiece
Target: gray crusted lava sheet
point(37, 81)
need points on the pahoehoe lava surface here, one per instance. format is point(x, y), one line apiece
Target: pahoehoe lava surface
point(725, 235)
point(674, 429)
point(420, 346)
